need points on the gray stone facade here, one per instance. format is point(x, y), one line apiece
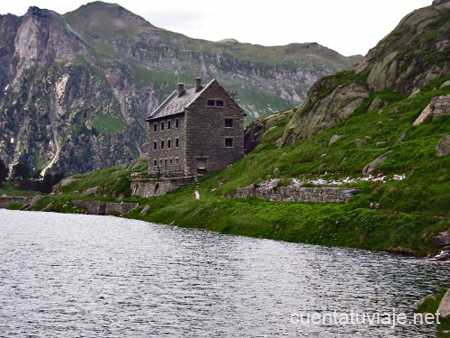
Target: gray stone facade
point(194, 131)
point(296, 194)
point(150, 187)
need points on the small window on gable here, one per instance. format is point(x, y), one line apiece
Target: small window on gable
point(162, 126)
point(155, 127)
point(162, 144)
point(219, 103)
point(155, 145)
point(229, 142)
point(177, 123)
point(214, 103)
point(168, 124)
point(229, 123)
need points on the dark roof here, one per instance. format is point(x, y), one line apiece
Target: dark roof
point(175, 104)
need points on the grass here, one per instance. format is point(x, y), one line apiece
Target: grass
point(411, 211)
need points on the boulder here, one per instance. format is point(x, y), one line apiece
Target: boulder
point(425, 116)
point(402, 137)
point(334, 139)
point(444, 307)
point(443, 146)
point(376, 104)
point(441, 240)
point(145, 211)
point(370, 168)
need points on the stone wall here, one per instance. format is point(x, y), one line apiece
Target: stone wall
point(206, 131)
point(105, 208)
point(6, 201)
point(295, 194)
point(150, 187)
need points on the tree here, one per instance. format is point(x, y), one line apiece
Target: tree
point(4, 171)
point(49, 181)
point(21, 171)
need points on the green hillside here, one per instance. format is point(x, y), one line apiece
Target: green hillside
point(410, 211)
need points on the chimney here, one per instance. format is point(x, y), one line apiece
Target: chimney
point(180, 89)
point(198, 84)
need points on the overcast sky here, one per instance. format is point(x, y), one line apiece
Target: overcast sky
point(347, 26)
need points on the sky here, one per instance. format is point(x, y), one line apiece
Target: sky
point(348, 26)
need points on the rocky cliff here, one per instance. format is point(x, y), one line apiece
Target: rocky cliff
point(75, 88)
point(413, 55)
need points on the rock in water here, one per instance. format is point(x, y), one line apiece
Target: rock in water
point(444, 307)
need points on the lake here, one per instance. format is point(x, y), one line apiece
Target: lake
point(101, 276)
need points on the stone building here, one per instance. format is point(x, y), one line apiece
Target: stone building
point(195, 130)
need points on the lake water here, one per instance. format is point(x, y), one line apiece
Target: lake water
point(97, 276)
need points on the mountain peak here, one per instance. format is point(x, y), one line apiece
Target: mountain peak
point(38, 12)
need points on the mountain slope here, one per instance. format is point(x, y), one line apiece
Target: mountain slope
point(410, 57)
point(75, 88)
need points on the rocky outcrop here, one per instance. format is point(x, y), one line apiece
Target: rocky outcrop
point(439, 106)
point(324, 112)
point(75, 89)
point(412, 56)
point(255, 132)
point(295, 194)
point(399, 62)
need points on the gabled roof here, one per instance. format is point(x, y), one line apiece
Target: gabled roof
point(175, 104)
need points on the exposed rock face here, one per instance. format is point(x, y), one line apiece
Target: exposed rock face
point(443, 146)
point(438, 106)
point(399, 62)
point(413, 55)
point(255, 132)
point(325, 112)
point(74, 89)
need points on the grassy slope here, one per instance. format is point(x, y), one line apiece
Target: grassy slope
point(411, 211)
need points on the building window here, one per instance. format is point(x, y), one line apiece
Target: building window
point(214, 103)
point(155, 145)
point(171, 161)
point(177, 160)
point(177, 123)
point(162, 144)
point(160, 162)
point(228, 123)
point(177, 143)
point(162, 126)
point(168, 143)
point(155, 127)
point(155, 163)
point(229, 142)
point(168, 124)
